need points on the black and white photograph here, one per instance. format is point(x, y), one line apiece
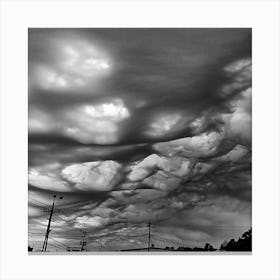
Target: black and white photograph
point(139, 140)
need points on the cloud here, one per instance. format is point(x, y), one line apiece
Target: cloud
point(239, 122)
point(136, 124)
point(47, 177)
point(92, 222)
point(33, 211)
point(236, 154)
point(40, 122)
point(93, 176)
point(239, 74)
point(88, 124)
point(205, 144)
point(222, 218)
point(164, 124)
point(96, 123)
point(162, 181)
point(176, 166)
point(67, 62)
point(47, 181)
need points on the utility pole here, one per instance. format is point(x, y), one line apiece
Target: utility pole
point(149, 240)
point(49, 225)
point(83, 243)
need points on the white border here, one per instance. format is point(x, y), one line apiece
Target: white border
point(17, 16)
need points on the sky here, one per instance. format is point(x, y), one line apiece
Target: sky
point(131, 125)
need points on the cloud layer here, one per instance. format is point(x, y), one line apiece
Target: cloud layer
point(137, 124)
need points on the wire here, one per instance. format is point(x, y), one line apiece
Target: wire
point(58, 217)
point(35, 233)
point(63, 244)
point(35, 204)
point(39, 202)
point(166, 240)
point(56, 246)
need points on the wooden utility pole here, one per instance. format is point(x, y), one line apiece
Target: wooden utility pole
point(83, 242)
point(149, 239)
point(49, 225)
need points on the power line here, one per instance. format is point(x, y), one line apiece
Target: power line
point(34, 233)
point(60, 218)
point(63, 244)
point(38, 202)
point(35, 204)
point(166, 240)
point(56, 246)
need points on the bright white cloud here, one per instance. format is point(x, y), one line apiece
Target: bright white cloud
point(47, 180)
point(87, 221)
point(114, 110)
point(48, 78)
point(204, 144)
point(197, 124)
point(174, 166)
point(164, 124)
point(158, 172)
point(96, 123)
point(83, 58)
point(93, 176)
point(88, 131)
point(238, 65)
point(74, 64)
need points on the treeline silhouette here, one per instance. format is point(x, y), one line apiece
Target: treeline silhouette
point(207, 247)
point(244, 243)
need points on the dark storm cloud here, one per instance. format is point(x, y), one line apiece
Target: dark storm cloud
point(172, 73)
point(137, 124)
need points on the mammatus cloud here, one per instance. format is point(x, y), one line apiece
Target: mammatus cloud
point(158, 128)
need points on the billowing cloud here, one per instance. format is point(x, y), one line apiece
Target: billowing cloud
point(154, 162)
point(205, 144)
point(96, 123)
point(47, 177)
point(93, 176)
point(47, 181)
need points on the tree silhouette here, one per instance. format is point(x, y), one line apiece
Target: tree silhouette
point(243, 243)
